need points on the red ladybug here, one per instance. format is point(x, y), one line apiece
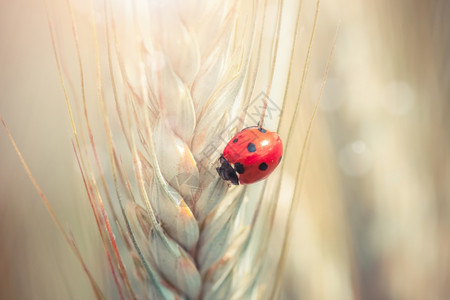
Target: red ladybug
point(250, 156)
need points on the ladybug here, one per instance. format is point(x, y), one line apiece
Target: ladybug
point(250, 156)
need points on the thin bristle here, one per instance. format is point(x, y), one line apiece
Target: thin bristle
point(298, 176)
point(69, 239)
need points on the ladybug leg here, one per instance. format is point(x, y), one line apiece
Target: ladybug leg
point(227, 172)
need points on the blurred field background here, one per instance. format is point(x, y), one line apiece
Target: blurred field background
point(373, 220)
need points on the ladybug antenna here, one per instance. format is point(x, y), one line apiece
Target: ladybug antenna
point(263, 113)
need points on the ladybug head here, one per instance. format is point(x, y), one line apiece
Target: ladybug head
point(227, 172)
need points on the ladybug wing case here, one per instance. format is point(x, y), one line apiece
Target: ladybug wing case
point(252, 154)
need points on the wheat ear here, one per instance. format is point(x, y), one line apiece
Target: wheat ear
point(180, 77)
point(184, 100)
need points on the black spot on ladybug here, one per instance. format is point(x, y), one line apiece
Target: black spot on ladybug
point(235, 140)
point(251, 147)
point(279, 159)
point(263, 166)
point(239, 168)
point(262, 130)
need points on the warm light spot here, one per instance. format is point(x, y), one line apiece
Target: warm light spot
point(186, 212)
point(181, 148)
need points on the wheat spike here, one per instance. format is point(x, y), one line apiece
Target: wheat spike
point(192, 94)
point(180, 77)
